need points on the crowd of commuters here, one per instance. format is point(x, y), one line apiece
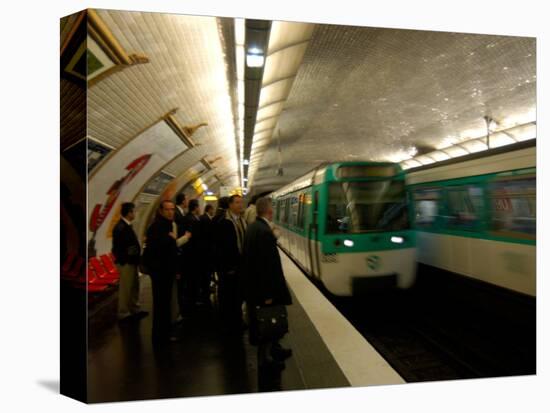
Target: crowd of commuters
point(187, 253)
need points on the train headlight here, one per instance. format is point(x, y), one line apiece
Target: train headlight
point(348, 243)
point(397, 240)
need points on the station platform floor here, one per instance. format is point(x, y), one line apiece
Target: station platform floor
point(327, 353)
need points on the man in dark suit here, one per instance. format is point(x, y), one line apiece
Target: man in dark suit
point(264, 280)
point(230, 230)
point(126, 250)
point(161, 257)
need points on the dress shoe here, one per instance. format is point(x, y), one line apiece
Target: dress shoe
point(140, 314)
point(126, 319)
point(272, 365)
point(280, 353)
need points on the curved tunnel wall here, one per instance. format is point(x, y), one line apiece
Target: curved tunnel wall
point(122, 177)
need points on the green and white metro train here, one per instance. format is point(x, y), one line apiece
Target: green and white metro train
point(347, 224)
point(477, 217)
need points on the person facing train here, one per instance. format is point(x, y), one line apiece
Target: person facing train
point(230, 230)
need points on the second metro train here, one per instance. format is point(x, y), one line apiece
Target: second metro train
point(477, 217)
point(347, 225)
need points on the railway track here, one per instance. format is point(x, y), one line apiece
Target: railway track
point(427, 340)
point(445, 328)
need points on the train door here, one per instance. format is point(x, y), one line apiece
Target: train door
point(313, 236)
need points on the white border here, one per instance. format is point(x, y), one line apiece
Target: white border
point(30, 174)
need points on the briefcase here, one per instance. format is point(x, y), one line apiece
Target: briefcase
point(272, 322)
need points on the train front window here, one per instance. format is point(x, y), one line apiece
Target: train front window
point(355, 207)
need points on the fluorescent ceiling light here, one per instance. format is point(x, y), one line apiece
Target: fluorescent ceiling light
point(525, 134)
point(439, 156)
point(411, 163)
point(475, 145)
point(456, 151)
point(424, 160)
point(239, 31)
point(254, 60)
point(500, 139)
point(239, 56)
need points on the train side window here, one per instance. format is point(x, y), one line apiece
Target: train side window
point(301, 209)
point(426, 207)
point(286, 203)
point(513, 207)
point(465, 204)
point(293, 221)
point(282, 211)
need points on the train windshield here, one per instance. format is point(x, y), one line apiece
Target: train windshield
point(367, 206)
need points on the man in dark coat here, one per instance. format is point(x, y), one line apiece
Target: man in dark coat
point(161, 258)
point(264, 279)
point(230, 231)
point(126, 250)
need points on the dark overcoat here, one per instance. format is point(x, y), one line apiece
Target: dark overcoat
point(262, 272)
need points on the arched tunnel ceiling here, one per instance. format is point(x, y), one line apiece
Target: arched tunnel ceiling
point(365, 93)
point(186, 70)
point(360, 93)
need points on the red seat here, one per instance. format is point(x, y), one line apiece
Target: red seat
point(100, 271)
point(93, 284)
point(94, 288)
point(109, 264)
point(93, 279)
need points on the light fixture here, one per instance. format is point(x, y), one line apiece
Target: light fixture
point(455, 151)
point(397, 240)
point(475, 145)
point(439, 156)
point(254, 60)
point(425, 160)
point(209, 193)
point(348, 243)
point(245, 162)
point(245, 179)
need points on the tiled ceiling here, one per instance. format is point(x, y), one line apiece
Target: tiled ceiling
point(186, 70)
point(367, 93)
